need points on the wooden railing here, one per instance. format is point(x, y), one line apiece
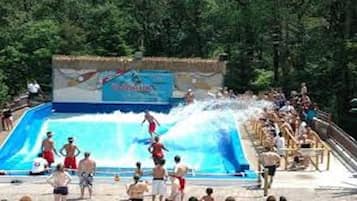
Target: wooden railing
point(321, 148)
point(329, 130)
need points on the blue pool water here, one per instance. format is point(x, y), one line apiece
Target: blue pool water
point(207, 140)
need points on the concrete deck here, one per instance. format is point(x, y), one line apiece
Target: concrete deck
point(116, 191)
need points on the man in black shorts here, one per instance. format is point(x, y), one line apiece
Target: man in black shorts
point(270, 160)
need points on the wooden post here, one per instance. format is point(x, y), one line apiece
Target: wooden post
point(286, 159)
point(328, 160)
point(317, 161)
point(266, 181)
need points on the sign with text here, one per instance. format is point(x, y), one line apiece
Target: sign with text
point(138, 86)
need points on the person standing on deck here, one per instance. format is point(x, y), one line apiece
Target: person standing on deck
point(86, 172)
point(180, 171)
point(271, 161)
point(159, 177)
point(70, 156)
point(48, 148)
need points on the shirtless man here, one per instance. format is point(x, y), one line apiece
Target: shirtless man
point(270, 160)
point(137, 189)
point(70, 156)
point(180, 172)
point(152, 123)
point(48, 148)
point(156, 149)
point(175, 194)
point(158, 184)
point(86, 171)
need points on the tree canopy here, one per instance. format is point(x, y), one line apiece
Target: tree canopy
point(269, 42)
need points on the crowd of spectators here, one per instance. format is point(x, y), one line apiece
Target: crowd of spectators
point(294, 116)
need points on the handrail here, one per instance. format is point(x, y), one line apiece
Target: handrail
point(292, 143)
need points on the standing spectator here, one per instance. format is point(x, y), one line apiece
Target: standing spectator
point(59, 180)
point(180, 173)
point(137, 189)
point(33, 89)
point(7, 119)
point(271, 161)
point(39, 166)
point(138, 171)
point(158, 184)
point(86, 171)
point(280, 144)
point(48, 148)
point(70, 156)
point(175, 194)
point(208, 197)
point(310, 114)
point(303, 88)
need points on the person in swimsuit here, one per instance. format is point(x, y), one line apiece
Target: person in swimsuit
point(158, 184)
point(152, 123)
point(189, 97)
point(138, 171)
point(70, 156)
point(271, 161)
point(156, 149)
point(59, 180)
point(86, 171)
point(48, 148)
point(208, 197)
point(180, 170)
point(137, 189)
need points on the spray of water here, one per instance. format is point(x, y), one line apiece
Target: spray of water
point(118, 140)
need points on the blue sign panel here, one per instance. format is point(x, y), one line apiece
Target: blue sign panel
point(138, 86)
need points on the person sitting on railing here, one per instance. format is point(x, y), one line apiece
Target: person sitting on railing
point(280, 144)
point(301, 129)
point(302, 156)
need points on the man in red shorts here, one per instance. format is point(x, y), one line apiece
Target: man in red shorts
point(70, 156)
point(180, 171)
point(48, 148)
point(156, 149)
point(152, 122)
